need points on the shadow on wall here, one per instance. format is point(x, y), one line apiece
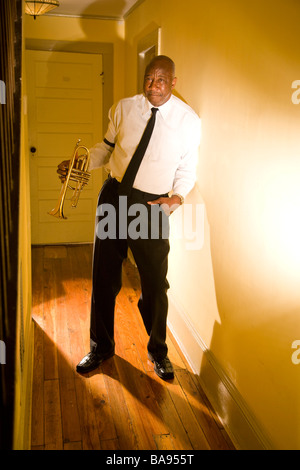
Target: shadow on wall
point(107, 10)
point(249, 179)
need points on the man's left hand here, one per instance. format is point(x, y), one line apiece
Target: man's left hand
point(169, 204)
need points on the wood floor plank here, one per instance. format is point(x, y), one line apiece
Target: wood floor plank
point(129, 373)
point(169, 412)
point(126, 431)
point(88, 423)
point(202, 414)
point(143, 428)
point(37, 415)
point(69, 410)
point(136, 381)
point(73, 445)
point(50, 348)
point(164, 442)
point(110, 444)
point(52, 413)
point(103, 413)
point(37, 264)
point(54, 252)
point(192, 427)
point(80, 296)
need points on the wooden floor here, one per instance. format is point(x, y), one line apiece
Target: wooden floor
point(123, 404)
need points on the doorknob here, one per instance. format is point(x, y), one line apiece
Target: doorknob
point(32, 149)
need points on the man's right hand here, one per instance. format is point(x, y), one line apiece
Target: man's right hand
point(63, 169)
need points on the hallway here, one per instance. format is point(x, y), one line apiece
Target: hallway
point(123, 405)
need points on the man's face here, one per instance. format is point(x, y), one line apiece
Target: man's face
point(158, 84)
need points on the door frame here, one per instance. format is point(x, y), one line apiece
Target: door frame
point(55, 120)
point(148, 43)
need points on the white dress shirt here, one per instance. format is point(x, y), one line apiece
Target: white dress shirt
point(169, 163)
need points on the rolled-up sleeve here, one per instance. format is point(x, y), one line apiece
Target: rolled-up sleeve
point(101, 152)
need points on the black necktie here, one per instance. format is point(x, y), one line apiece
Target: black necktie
point(134, 164)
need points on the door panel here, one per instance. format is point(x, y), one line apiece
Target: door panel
point(64, 104)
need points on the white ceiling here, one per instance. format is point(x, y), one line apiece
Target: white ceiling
point(116, 9)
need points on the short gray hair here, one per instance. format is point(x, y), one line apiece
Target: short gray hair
point(163, 59)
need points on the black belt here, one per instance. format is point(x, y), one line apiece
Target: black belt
point(140, 195)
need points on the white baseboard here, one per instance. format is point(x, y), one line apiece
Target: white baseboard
point(239, 422)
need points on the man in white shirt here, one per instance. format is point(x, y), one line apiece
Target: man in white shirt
point(164, 177)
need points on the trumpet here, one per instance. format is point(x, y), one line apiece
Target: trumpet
point(77, 173)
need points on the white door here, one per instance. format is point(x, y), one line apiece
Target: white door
point(64, 104)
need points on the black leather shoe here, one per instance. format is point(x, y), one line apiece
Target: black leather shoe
point(163, 368)
point(91, 361)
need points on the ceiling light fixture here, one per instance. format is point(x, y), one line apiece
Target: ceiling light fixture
point(39, 7)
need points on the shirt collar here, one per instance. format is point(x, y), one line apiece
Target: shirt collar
point(164, 109)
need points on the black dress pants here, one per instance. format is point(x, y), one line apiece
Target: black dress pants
point(123, 222)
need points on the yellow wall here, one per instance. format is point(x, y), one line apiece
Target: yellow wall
point(239, 293)
point(24, 331)
point(24, 334)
